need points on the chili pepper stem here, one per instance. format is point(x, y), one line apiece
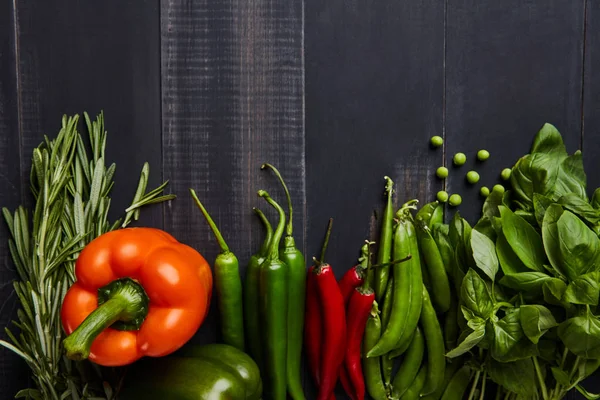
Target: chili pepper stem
point(321, 261)
point(289, 229)
point(126, 301)
point(211, 223)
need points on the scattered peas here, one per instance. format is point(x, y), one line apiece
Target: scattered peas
point(460, 159)
point(483, 155)
point(437, 141)
point(472, 177)
point(442, 172)
point(498, 188)
point(442, 196)
point(455, 200)
point(506, 174)
point(484, 191)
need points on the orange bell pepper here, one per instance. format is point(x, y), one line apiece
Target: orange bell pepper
point(139, 292)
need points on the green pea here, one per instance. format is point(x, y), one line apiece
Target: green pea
point(483, 155)
point(436, 141)
point(484, 191)
point(460, 159)
point(455, 200)
point(506, 174)
point(472, 177)
point(442, 196)
point(442, 172)
point(498, 188)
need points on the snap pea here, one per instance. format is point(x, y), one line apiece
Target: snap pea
point(451, 328)
point(458, 384)
point(434, 339)
point(433, 260)
point(398, 351)
point(371, 366)
point(407, 299)
point(413, 392)
point(451, 368)
point(409, 367)
point(386, 363)
point(385, 244)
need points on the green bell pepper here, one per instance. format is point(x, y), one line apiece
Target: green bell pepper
point(213, 371)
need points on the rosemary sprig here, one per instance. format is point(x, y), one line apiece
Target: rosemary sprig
point(70, 186)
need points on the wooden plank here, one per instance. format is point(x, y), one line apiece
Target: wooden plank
point(511, 66)
point(14, 374)
point(232, 99)
point(374, 86)
point(92, 57)
point(591, 96)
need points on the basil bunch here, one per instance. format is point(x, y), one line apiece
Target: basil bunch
point(527, 278)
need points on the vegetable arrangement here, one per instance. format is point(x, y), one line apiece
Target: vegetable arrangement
point(505, 308)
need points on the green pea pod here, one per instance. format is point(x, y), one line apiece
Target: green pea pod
point(371, 366)
point(252, 297)
point(451, 368)
point(228, 286)
point(417, 385)
point(458, 384)
point(387, 364)
point(410, 365)
point(397, 352)
point(451, 328)
point(434, 339)
point(440, 286)
point(273, 289)
point(385, 244)
point(407, 299)
point(294, 259)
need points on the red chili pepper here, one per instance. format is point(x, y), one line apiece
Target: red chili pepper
point(330, 307)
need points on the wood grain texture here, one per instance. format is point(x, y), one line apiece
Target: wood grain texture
point(92, 57)
point(14, 374)
point(373, 100)
point(232, 100)
point(511, 66)
point(591, 96)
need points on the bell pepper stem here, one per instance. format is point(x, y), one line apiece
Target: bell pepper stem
point(121, 300)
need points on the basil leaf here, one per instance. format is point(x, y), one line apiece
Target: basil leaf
point(595, 201)
point(578, 245)
point(468, 343)
point(550, 236)
point(529, 217)
point(484, 226)
point(581, 335)
point(475, 295)
point(484, 253)
point(535, 321)
point(581, 207)
point(547, 349)
point(583, 290)
point(553, 291)
point(523, 239)
point(510, 342)
point(525, 281)
point(521, 181)
point(491, 204)
point(548, 140)
point(571, 177)
point(517, 377)
point(540, 205)
point(510, 263)
point(476, 323)
point(561, 376)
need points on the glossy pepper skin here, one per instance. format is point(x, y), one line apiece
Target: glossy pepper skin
point(214, 371)
point(176, 279)
point(294, 259)
point(273, 289)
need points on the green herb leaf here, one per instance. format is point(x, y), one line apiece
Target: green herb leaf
point(509, 262)
point(583, 290)
point(540, 205)
point(595, 201)
point(580, 207)
point(554, 290)
point(523, 239)
point(475, 295)
point(517, 376)
point(525, 281)
point(561, 376)
point(510, 342)
point(470, 341)
point(581, 335)
point(571, 177)
point(578, 245)
point(484, 253)
point(535, 321)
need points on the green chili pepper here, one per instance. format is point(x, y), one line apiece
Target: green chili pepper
point(294, 259)
point(407, 298)
point(385, 244)
point(371, 366)
point(228, 286)
point(458, 384)
point(433, 259)
point(251, 295)
point(417, 385)
point(273, 290)
point(436, 358)
point(410, 365)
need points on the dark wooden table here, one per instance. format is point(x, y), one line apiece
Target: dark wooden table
point(337, 93)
